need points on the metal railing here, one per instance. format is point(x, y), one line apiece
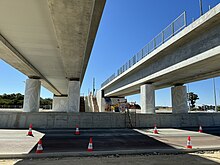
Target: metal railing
point(176, 26)
point(108, 80)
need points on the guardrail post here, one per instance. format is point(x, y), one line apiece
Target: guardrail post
point(185, 23)
point(148, 49)
point(173, 29)
point(155, 43)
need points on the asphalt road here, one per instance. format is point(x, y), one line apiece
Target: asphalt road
point(103, 139)
point(64, 140)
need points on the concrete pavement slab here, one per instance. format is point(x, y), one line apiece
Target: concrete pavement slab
point(13, 141)
point(177, 138)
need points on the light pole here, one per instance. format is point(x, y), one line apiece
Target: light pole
point(93, 87)
point(200, 6)
point(216, 109)
point(188, 96)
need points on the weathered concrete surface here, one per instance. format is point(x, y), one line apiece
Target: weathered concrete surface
point(13, 141)
point(147, 99)
point(179, 99)
point(105, 120)
point(32, 95)
point(73, 96)
point(100, 101)
point(183, 58)
point(60, 104)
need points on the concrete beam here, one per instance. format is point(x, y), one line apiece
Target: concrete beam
point(17, 60)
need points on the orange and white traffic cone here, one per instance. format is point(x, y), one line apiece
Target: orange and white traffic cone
point(77, 130)
point(188, 144)
point(90, 147)
point(200, 129)
point(30, 131)
point(155, 129)
point(39, 147)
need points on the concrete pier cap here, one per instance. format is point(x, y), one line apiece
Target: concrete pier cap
point(32, 95)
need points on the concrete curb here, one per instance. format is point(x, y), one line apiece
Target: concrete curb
point(105, 153)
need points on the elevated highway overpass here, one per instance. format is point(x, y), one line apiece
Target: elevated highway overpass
point(191, 55)
point(49, 41)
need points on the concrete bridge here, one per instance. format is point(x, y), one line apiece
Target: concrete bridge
point(191, 55)
point(49, 41)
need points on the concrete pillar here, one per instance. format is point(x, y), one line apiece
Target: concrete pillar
point(73, 96)
point(179, 99)
point(32, 95)
point(147, 99)
point(100, 101)
point(60, 103)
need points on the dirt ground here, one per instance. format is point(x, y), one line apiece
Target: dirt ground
point(202, 158)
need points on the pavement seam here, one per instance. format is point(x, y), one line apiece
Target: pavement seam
point(105, 153)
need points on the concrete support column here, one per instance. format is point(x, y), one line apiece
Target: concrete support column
point(73, 96)
point(147, 99)
point(32, 95)
point(100, 100)
point(179, 99)
point(60, 103)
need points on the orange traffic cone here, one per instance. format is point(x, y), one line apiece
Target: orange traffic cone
point(30, 131)
point(188, 144)
point(200, 129)
point(77, 130)
point(90, 148)
point(39, 147)
point(155, 129)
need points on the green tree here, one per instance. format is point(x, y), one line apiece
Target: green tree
point(18, 99)
point(192, 98)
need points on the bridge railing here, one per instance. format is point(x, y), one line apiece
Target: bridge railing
point(176, 26)
point(108, 80)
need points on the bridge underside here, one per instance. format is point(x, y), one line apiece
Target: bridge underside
point(49, 40)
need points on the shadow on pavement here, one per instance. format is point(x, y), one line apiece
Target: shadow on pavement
point(103, 140)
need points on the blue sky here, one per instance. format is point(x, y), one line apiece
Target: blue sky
point(126, 26)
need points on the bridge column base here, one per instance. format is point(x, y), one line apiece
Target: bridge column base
point(32, 95)
point(179, 99)
point(73, 96)
point(60, 103)
point(147, 99)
